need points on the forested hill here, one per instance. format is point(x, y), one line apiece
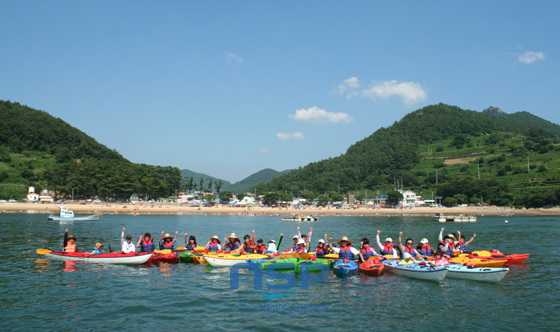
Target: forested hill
point(25, 129)
point(39, 150)
point(450, 140)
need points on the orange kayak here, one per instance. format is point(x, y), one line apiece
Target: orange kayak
point(371, 267)
point(480, 261)
point(511, 259)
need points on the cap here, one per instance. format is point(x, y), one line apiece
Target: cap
point(321, 241)
point(388, 239)
point(295, 237)
point(424, 241)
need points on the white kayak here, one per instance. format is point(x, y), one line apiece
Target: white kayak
point(226, 260)
point(487, 274)
point(415, 270)
point(109, 258)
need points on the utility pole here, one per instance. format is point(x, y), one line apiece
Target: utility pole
point(436, 177)
point(478, 169)
point(528, 165)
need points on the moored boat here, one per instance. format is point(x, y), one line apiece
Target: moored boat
point(416, 270)
point(486, 274)
point(300, 218)
point(133, 258)
point(68, 215)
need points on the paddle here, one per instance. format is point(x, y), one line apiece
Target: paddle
point(164, 251)
point(43, 251)
point(180, 249)
point(110, 250)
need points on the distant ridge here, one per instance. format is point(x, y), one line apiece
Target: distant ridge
point(245, 185)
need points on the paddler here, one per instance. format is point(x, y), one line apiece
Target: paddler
point(409, 247)
point(127, 245)
point(167, 241)
point(191, 243)
point(447, 243)
point(248, 244)
point(322, 248)
point(366, 250)
point(272, 246)
point(301, 247)
point(260, 248)
point(407, 259)
point(146, 244)
point(439, 260)
point(424, 248)
point(306, 238)
point(387, 248)
point(69, 243)
point(213, 244)
point(461, 245)
point(98, 249)
point(346, 251)
point(231, 242)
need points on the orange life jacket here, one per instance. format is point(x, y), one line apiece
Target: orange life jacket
point(70, 247)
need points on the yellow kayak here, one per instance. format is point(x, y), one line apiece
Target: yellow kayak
point(478, 262)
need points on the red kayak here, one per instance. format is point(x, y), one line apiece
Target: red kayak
point(372, 267)
point(172, 257)
point(511, 259)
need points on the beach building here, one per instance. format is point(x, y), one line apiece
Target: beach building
point(32, 196)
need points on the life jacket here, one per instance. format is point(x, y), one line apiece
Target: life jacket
point(97, 252)
point(213, 247)
point(462, 247)
point(346, 253)
point(425, 251)
point(411, 251)
point(248, 248)
point(70, 247)
point(366, 252)
point(301, 249)
point(450, 248)
point(321, 251)
point(294, 247)
point(147, 246)
point(167, 245)
point(260, 249)
point(440, 262)
point(191, 246)
point(387, 250)
point(232, 246)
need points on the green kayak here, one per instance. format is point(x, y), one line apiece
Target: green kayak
point(187, 257)
point(297, 262)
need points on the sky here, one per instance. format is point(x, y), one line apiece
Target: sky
point(228, 88)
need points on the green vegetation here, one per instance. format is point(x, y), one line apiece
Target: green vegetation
point(440, 150)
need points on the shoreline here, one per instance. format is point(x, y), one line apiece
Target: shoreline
point(175, 209)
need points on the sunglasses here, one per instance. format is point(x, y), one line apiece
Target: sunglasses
point(409, 243)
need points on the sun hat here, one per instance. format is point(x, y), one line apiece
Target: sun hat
point(321, 241)
point(424, 241)
point(71, 237)
point(216, 238)
point(167, 236)
point(388, 239)
point(301, 241)
point(232, 236)
point(451, 235)
point(344, 238)
point(98, 246)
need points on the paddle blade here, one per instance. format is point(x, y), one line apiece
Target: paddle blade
point(199, 249)
point(181, 249)
point(164, 251)
point(43, 251)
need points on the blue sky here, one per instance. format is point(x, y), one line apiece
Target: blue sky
point(228, 88)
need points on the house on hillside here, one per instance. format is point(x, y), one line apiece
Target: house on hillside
point(32, 196)
point(410, 199)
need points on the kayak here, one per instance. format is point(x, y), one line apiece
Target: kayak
point(171, 257)
point(223, 260)
point(511, 259)
point(479, 262)
point(186, 257)
point(133, 258)
point(314, 265)
point(487, 274)
point(342, 268)
point(293, 261)
point(371, 267)
point(416, 270)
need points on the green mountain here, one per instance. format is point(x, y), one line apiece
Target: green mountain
point(242, 186)
point(463, 156)
point(37, 149)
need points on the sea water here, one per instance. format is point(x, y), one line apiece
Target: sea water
point(39, 294)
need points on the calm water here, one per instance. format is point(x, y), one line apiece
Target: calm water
point(37, 293)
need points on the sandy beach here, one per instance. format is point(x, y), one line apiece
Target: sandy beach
point(175, 209)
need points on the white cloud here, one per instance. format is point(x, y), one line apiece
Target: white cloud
point(317, 115)
point(295, 135)
point(530, 56)
point(349, 87)
point(263, 151)
point(233, 59)
point(411, 92)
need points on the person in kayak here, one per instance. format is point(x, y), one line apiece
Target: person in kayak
point(306, 238)
point(69, 243)
point(407, 259)
point(366, 250)
point(190, 244)
point(461, 245)
point(424, 248)
point(439, 260)
point(322, 248)
point(98, 249)
point(213, 244)
point(272, 246)
point(146, 244)
point(345, 251)
point(446, 244)
point(231, 242)
point(167, 241)
point(248, 244)
point(409, 247)
point(387, 248)
point(127, 245)
point(260, 248)
point(301, 247)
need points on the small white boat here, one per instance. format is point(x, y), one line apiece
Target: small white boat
point(486, 274)
point(300, 218)
point(440, 217)
point(67, 215)
point(415, 270)
point(133, 258)
point(227, 260)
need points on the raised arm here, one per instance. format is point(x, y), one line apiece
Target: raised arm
point(401, 247)
point(471, 240)
point(186, 239)
point(253, 239)
point(161, 238)
point(122, 235)
point(441, 235)
point(65, 241)
point(139, 241)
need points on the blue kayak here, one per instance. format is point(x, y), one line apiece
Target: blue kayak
point(343, 269)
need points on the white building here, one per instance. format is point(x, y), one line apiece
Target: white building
point(410, 199)
point(32, 196)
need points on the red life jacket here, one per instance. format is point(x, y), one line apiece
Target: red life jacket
point(260, 248)
point(387, 250)
point(367, 252)
point(411, 251)
point(248, 247)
